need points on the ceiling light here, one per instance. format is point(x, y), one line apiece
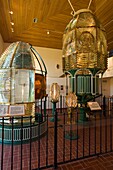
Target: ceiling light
point(11, 12)
point(12, 23)
point(12, 29)
point(48, 32)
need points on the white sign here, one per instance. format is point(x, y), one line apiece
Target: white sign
point(3, 110)
point(16, 110)
point(94, 106)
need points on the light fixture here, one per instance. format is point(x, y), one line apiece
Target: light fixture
point(12, 30)
point(48, 32)
point(11, 12)
point(12, 23)
point(10, 16)
point(54, 95)
point(71, 102)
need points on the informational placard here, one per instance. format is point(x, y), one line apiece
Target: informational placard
point(3, 110)
point(94, 106)
point(16, 110)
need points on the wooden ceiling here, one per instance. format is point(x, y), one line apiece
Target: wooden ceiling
point(52, 16)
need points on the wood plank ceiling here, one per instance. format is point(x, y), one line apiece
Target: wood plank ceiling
point(52, 16)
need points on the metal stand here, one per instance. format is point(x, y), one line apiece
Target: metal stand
point(82, 119)
point(71, 134)
point(52, 119)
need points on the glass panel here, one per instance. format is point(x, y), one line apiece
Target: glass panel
point(86, 40)
point(6, 57)
point(85, 19)
point(5, 86)
point(83, 84)
point(23, 61)
point(23, 88)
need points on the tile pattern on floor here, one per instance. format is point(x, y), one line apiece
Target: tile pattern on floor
point(92, 139)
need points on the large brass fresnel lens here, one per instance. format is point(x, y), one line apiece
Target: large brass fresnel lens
point(84, 43)
point(84, 53)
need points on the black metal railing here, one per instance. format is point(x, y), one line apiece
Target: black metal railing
point(43, 144)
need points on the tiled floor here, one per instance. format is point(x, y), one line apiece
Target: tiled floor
point(103, 162)
point(94, 137)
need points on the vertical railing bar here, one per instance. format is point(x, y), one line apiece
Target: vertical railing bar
point(30, 143)
point(77, 136)
point(45, 107)
point(41, 108)
point(100, 132)
point(39, 143)
point(55, 138)
point(105, 119)
point(71, 135)
point(2, 143)
point(110, 132)
point(12, 143)
point(58, 104)
point(64, 137)
point(61, 103)
point(48, 104)
point(21, 140)
point(47, 143)
point(95, 144)
point(63, 109)
point(89, 137)
point(104, 106)
point(83, 137)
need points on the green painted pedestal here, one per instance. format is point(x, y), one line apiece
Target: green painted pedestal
point(82, 118)
point(71, 135)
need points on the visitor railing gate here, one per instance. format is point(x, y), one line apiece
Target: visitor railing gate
point(43, 144)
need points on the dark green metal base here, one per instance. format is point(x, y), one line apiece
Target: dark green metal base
point(52, 119)
point(25, 134)
point(82, 118)
point(71, 135)
point(38, 117)
point(83, 122)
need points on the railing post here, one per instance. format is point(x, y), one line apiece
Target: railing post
point(2, 153)
point(55, 139)
point(45, 107)
point(104, 106)
point(61, 103)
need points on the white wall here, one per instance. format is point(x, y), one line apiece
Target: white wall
point(106, 87)
point(51, 58)
point(61, 82)
point(108, 79)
